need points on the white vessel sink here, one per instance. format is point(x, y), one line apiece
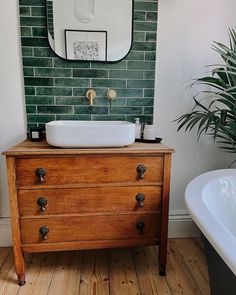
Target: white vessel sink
point(81, 134)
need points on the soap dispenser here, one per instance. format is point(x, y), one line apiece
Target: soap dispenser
point(137, 129)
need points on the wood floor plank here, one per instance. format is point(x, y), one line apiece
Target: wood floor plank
point(131, 271)
point(4, 252)
point(66, 276)
point(178, 276)
point(8, 277)
point(123, 278)
point(146, 265)
point(94, 273)
point(196, 261)
point(39, 274)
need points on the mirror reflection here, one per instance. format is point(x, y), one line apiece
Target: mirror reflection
point(90, 30)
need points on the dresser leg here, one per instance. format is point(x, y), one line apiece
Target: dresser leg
point(162, 270)
point(21, 280)
point(20, 266)
point(162, 258)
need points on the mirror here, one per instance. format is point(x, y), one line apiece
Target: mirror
point(90, 30)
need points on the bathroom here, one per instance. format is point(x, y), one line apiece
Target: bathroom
point(185, 31)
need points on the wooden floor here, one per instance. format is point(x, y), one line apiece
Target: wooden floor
point(116, 272)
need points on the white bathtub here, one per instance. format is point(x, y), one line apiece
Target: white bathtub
point(211, 200)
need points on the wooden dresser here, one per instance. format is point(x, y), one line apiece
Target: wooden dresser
point(69, 199)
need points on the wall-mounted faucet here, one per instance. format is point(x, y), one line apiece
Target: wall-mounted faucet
point(90, 94)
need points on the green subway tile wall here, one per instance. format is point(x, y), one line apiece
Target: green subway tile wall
point(55, 89)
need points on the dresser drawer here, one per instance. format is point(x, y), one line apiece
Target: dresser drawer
point(89, 169)
point(81, 200)
point(87, 228)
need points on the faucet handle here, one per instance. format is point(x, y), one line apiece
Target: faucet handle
point(91, 94)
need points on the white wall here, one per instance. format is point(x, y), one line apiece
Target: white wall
point(12, 110)
point(186, 30)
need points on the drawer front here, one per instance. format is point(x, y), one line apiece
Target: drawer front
point(87, 228)
point(89, 169)
point(81, 200)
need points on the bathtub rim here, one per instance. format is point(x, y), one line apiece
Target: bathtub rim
point(215, 231)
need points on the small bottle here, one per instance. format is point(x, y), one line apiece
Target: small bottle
point(137, 129)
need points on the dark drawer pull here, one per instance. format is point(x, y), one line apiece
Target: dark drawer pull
point(44, 232)
point(140, 227)
point(42, 202)
point(140, 199)
point(141, 169)
point(40, 173)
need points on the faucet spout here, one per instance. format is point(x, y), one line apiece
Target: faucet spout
point(90, 94)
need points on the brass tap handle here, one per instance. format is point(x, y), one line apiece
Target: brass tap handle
point(141, 169)
point(44, 232)
point(42, 202)
point(40, 173)
point(140, 227)
point(140, 199)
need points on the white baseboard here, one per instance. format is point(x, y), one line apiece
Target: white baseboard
point(5, 232)
point(181, 225)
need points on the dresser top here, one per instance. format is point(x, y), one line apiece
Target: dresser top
point(28, 148)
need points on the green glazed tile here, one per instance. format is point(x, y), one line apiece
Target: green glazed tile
point(139, 16)
point(33, 21)
point(27, 51)
point(71, 82)
point(79, 91)
point(108, 118)
point(28, 72)
point(148, 92)
point(54, 91)
point(29, 90)
point(31, 109)
point(25, 31)
point(39, 32)
point(140, 101)
point(90, 110)
point(55, 109)
point(139, 36)
point(145, 26)
point(53, 72)
point(125, 74)
point(90, 73)
point(84, 117)
point(34, 41)
point(148, 110)
point(135, 55)
point(37, 62)
point(38, 11)
point(151, 16)
point(59, 63)
point(24, 11)
point(140, 84)
point(151, 36)
point(145, 6)
point(149, 75)
point(108, 83)
point(40, 118)
point(126, 110)
point(125, 92)
point(32, 2)
point(141, 65)
point(43, 52)
point(71, 101)
point(117, 65)
point(37, 100)
point(144, 46)
point(38, 81)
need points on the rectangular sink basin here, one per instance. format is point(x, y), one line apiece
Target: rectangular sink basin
point(86, 134)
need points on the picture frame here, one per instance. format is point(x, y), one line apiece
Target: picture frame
point(86, 45)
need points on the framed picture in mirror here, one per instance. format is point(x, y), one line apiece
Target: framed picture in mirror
point(86, 45)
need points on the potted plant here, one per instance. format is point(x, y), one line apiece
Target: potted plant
point(216, 115)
